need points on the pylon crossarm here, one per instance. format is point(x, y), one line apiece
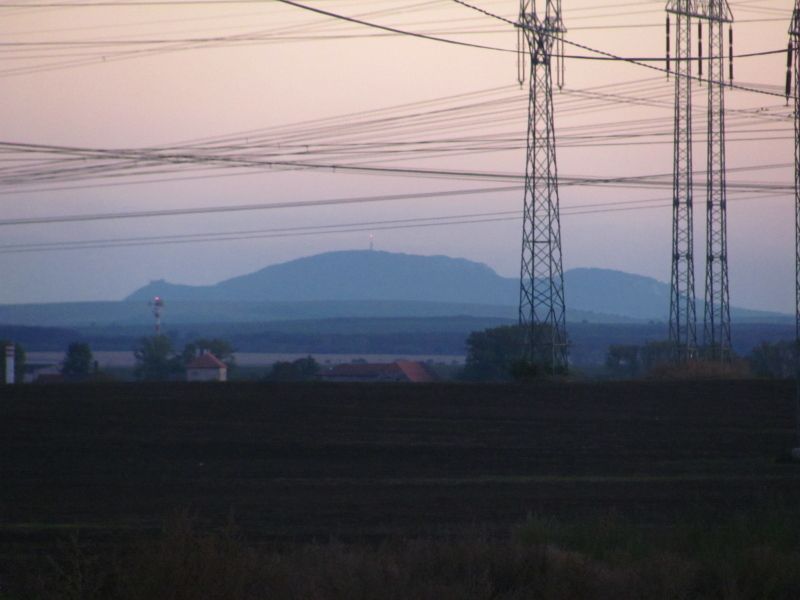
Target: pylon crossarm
point(709, 10)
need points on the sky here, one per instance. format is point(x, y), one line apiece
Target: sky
point(185, 105)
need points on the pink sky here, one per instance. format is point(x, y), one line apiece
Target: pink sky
point(217, 90)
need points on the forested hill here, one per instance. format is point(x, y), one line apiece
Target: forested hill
point(354, 275)
point(364, 275)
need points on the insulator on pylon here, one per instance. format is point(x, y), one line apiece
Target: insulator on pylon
point(730, 54)
point(789, 57)
point(520, 56)
point(669, 66)
point(700, 49)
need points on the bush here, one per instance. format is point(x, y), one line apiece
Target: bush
point(302, 369)
point(702, 369)
point(496, 355)
point(749, 556)
point(78, 361)
point(774, 360)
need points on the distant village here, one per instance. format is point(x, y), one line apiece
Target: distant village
point(201, 361)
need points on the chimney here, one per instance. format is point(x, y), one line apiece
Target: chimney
point(9, 363)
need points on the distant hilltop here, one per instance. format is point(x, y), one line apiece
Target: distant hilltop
point(375, 276)
point(362, 302)
point(352, 275)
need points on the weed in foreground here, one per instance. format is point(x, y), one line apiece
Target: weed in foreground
point(754, 556)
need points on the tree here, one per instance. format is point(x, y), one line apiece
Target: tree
point(302, 369)
point(497, 355)
point(629, 360)
point(78, 361)
point(493, 354)
point(775, 360)
point(623, 360)
point(155, 359)
point(19, 361)
point(656, 354)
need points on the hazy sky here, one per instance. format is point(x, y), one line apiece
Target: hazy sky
point(154, 76)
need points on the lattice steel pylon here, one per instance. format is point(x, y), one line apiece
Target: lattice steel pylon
point(793, 81)
point(682, 316)
point(682, 312)
point(542, 315)
point(717, 317)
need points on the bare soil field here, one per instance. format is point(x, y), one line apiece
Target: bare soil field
point(294, 462)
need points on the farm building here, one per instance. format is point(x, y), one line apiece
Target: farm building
point(206, 367)
point(399, 370)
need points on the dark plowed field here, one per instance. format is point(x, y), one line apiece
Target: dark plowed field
point(292, 462)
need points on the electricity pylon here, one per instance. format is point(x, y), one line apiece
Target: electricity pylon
point(682, 316)
point(793, 80)
point(717, 317)
point(682, 313)
point(541, 298)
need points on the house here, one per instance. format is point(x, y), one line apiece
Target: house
point(399, 370)
point(206, 367)
point(43, 373)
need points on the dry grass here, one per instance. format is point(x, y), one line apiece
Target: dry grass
point(744, 558)
point(701, 369)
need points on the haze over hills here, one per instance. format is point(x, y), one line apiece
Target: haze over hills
point(354, 275)
point(374, 276)
point(369, 302)
point(369, 284)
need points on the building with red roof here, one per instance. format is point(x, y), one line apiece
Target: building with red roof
point(206, 367)
point(399, 370)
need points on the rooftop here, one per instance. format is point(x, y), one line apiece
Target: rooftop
point(206, 361)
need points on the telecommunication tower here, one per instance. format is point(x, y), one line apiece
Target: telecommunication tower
point(682, 312)
point(158, 306)
point(541, 299)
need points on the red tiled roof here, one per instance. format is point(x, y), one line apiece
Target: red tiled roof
point(206, 361)
point(365, 370)
point(398, 370)
point(416, 372)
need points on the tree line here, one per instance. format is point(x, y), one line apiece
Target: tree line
point(492, 355)
point(495, 355)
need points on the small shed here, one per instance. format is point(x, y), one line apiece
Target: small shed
point(206, 367)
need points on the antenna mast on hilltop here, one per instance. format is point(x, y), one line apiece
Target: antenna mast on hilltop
point(541, 299)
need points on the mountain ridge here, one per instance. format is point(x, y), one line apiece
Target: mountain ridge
point(352, 275)
point(371, 275)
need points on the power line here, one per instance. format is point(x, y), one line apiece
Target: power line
point(615, 57)
point(149, 157)
point(390, 29)
point(252, 207)
point(384, 225)
point(125, 3)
